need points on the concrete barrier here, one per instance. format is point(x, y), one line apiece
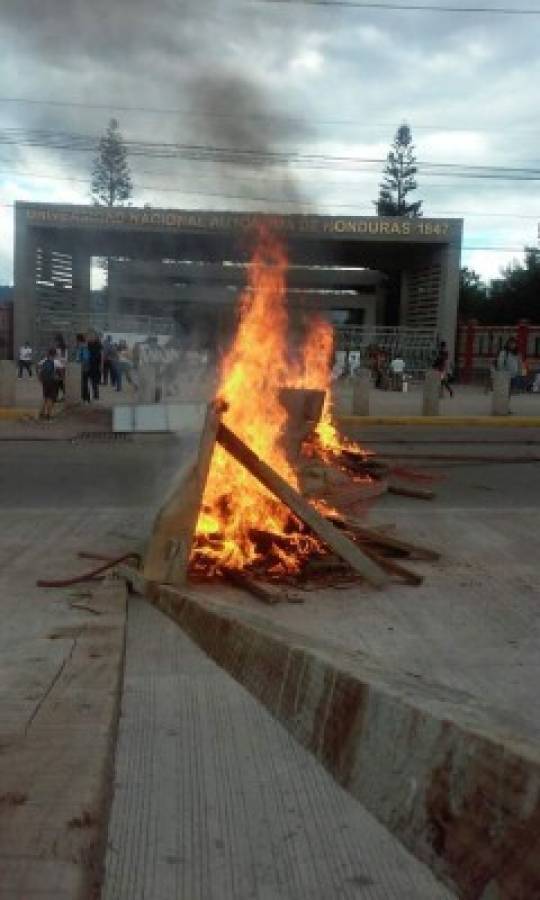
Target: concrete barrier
point(73, 382)
point(445, 774)
point(361, 388)
point(146, 390)
point(500, 404)
point(432, 391)
point(7, 382)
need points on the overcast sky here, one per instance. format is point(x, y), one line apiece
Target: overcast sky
point(277, 76)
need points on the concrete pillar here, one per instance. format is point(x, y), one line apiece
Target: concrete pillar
point(501, 394)
point(342, 396)
point(25, 308)
point(146, 391)
point(73, 382)
point(7, 382)
point(432, 390)
point(450, 261)
point(360, 393)
point(81, 291)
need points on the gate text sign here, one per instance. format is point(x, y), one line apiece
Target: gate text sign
point(171, 220)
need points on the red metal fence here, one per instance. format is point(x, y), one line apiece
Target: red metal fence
point(478, 345)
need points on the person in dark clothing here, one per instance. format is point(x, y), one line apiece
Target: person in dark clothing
point(48, 375)
point(94, 367)
point(442, 365)
point(107, 355)
point(61, 364)
point(82, 356)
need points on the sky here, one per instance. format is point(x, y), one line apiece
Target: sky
point(277, 77)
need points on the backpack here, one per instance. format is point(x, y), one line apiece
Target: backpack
point(47, 371)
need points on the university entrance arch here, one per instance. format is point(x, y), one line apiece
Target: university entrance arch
point(168, 265)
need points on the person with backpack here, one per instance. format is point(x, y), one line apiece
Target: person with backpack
point(48, 375)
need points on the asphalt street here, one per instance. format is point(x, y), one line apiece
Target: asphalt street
point(136, 472)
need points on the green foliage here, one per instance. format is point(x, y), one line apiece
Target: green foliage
point(399, 178)
point(473, 297)
point(111, 179)
point(513, 296)
point(516, 295)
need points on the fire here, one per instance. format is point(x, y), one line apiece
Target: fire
point(236, 509)
point(235, 505)
point(318, 353)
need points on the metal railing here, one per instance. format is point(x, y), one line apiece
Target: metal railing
point(417, 346)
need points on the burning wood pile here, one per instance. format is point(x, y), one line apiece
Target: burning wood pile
point(274, 500)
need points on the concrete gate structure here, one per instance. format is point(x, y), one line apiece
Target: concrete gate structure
point(170, 260)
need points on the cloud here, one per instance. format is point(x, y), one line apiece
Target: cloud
point(274, 77)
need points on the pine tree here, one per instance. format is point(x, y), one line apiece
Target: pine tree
point(111, 179)
point(399, 178)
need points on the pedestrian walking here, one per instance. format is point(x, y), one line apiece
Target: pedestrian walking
point(48, 375)
point(95, 349)
point(61, 365)
point(397, 371)
point(509, 360)
point(82, 356)
point(25, 359)
point(115, 369)
point(442, 365)
point(108, 368)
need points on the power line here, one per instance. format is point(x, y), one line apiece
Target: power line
point(270, 117)
point(237, 155)
point(265, 199)
point(408, 7)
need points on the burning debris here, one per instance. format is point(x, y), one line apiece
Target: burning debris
point(276, 446)
point(270, 501)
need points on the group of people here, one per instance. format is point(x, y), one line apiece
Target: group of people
point(388, 371)
point(101, 363)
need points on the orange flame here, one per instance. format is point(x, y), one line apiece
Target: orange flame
point(235, 506)
point(252, 375)
point(318, 353)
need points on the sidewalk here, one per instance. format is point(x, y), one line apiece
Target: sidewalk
point(468, 401)
point(215, 801)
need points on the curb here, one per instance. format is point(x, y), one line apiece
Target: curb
point(16, 413)
point(440, 770)
point(445, 421)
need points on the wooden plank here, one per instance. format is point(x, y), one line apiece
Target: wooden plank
point(247, 583)
point(168, 550)
point(383, 539)
point(390, 565)
point(333, 538)
point(416, 493)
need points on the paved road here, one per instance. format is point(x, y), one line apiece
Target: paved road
point(111, 473)
point(118, 473)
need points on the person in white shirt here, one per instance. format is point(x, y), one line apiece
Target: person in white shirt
point(25, 359)
point(397, 370)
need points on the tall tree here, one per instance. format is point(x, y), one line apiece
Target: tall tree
point(111, 179)
point(399, 178)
